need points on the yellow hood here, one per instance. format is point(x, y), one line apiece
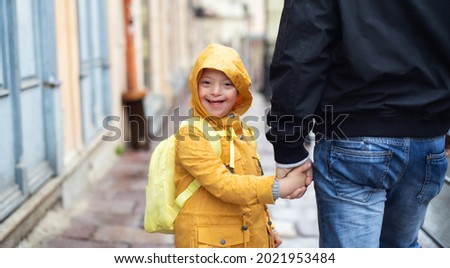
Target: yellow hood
point(227, 60)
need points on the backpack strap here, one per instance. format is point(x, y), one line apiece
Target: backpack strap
point(213, 136)
point(187, 193)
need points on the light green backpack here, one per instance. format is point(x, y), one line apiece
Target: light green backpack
point(162, 206)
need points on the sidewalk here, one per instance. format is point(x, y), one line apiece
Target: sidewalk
point(112, 213)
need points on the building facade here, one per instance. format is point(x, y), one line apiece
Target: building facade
point(65, 68)
point(56, 88)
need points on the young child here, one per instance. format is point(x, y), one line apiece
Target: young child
point(229, 209)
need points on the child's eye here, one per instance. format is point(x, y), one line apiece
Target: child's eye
point(229, 84)
point(205, 82)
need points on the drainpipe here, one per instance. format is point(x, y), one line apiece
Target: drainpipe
point(133, 98)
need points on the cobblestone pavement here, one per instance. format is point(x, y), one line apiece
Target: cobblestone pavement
point(111, 213)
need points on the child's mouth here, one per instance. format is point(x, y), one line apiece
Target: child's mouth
point(216, 102)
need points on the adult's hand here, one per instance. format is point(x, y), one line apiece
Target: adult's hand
point(296, 181)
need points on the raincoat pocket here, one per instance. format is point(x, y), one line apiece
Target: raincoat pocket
point(222, 237)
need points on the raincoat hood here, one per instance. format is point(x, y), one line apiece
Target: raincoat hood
point(227, 60)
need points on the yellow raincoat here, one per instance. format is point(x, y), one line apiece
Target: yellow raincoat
point(228, 210)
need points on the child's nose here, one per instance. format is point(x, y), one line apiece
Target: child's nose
point(216, 90)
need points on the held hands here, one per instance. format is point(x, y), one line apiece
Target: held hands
point(294, 182)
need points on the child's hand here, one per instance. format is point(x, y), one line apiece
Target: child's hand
point(277, 239)
point(295, 184)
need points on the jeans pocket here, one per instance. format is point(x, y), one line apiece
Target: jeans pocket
point(357, 173)
point(434, 177)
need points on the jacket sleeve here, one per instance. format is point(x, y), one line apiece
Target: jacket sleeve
point(298, 74)
point(198, 157)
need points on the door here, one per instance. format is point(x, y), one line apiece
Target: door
point(11, 192)
point(95, 94)
point(27, 114)
point(31, 91)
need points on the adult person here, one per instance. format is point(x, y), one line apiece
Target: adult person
point(375, 77)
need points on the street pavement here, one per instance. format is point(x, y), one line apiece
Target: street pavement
point(111, 213)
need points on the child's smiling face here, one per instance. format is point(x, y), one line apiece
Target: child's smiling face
point(216, 92)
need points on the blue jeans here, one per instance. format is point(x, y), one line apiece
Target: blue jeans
point(374, 192)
